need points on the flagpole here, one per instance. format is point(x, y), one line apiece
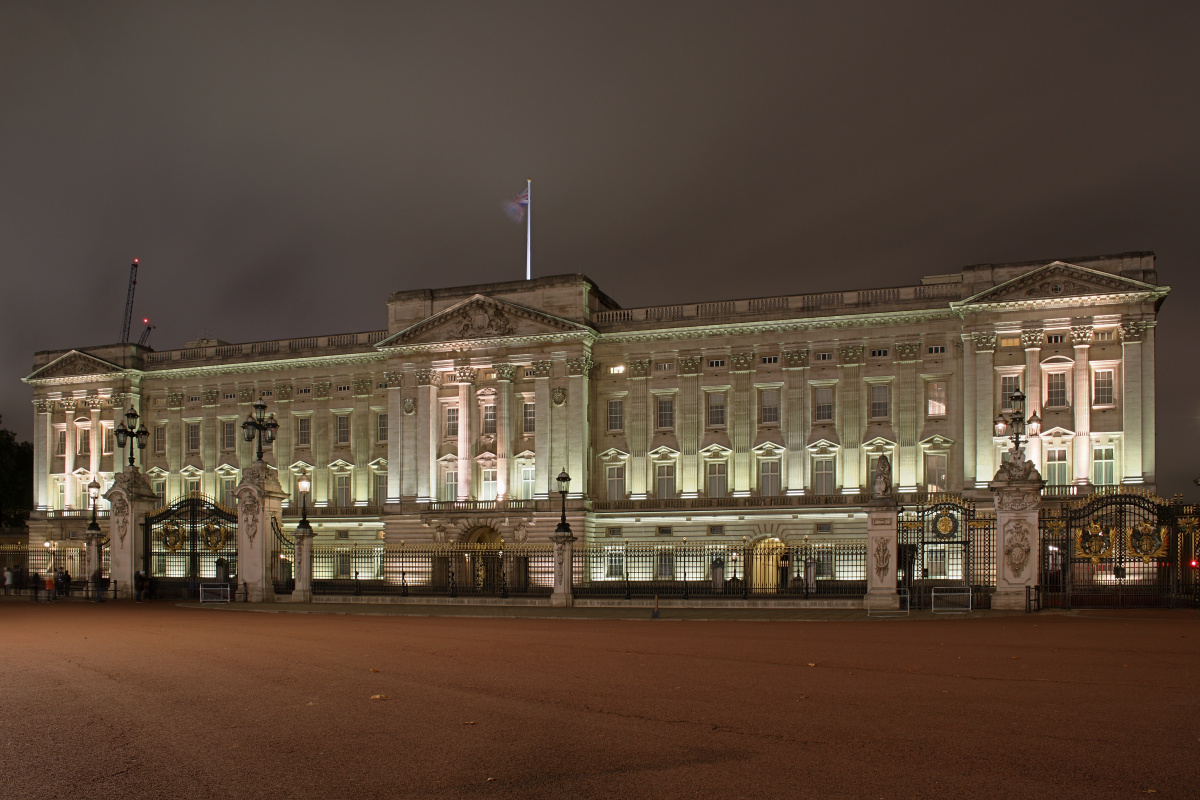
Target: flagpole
point(528, 227)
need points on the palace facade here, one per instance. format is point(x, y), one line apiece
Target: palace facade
point(731, 418)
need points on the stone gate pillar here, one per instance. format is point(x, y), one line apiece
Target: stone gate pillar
point(1017, 489)
point(564, 559)
point(303, 554)
point(132, 498)
point(260, 498)
point(882, 521)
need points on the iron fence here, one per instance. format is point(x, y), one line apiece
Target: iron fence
point(71, 556)
point(431, 569)
point(763, 568)
point(947, 544)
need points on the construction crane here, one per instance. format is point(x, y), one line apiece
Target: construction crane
point(144, 340)
point(129, 302)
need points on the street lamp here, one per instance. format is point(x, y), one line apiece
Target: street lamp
point(1015, 426)
point(303, 484)
point(564, 482)
point(93, 488)
point(258, 424)
point(129, 431)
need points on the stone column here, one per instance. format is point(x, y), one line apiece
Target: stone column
point(1081, 402)
point(543, 463)
point(362, 435)
point(908, 404)
point(322, 446)
point(426, 434)
point(742, 424)
point(1149, 471)
point(579, 371)
point(851, 418)
point(1131, 403)
point(398, 428)
point(563, 567)
point(968, 411)
point(1032, 340)
point(985, 406)
point(504, 428)
point(640, 420)
point(131, 497)
point(70, 491)
point(260, 498)
point(882, 520)
point(691, 422)
point(97, 434)
point(302, 570)
point(468, 413)
point(797, 421)
point(43, 455)
point(1017, 489)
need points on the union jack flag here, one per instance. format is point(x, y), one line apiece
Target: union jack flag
point(516, 207)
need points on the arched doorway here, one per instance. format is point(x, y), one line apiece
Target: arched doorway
point(770, 566)
point(484, 560)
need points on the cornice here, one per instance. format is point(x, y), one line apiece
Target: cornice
point(750, 328)
point(95, 377)
point(964, 307)
point(466, 345)
point(261, 366)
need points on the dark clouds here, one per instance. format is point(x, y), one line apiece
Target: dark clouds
point(330, 153)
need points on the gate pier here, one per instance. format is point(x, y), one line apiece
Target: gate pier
point(132, 498)
point(1018, 492)
point(260, 498)
point(882, 520)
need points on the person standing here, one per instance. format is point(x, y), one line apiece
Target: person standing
point(36, 584)
point(66, 582)
point(9, 580)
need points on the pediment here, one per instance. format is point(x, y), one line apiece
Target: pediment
point(75, 364)
point(481, 317)
point(612, 454)
point(715, 451)
point(1059, 281)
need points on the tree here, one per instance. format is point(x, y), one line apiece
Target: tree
point(16, 479)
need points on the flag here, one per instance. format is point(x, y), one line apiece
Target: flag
point(516, 207)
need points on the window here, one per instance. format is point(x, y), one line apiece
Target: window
point(612, 532)
point(227, 498)
point(768, 478)
point(304, 390)
point(823, 478)
point(770, 359)
point(487, 484)
point(1010, 341)
point(60, 444)
point(768, 406)
point(880, 408)
point(935, 399)
point(936, 349)
point(619, 369)
point(160, 491)
point(663, 530)
point(716, 409)
point(825, 356)
point(343, 387)
point(664, 366)
point(228, 435)
point(381, 427)
point(665, 566)
point(881, 352)
point(823, 404)
point(1105, 336)
point(717, 479)
point(1056, 389)
point(1055, 338)
point(529, 417)
point(716, 530)
point(160, 438)
point(193, 398)
point(380, 488)
point(489, 418)
point(341, 534)
point(614, 562)
point(193, 437)
point(451, 421)
point(303, 431)
point(935, 472)
point(85, 442)
point(1103, 462)
point(616, 482)
point(342, 486)
point(229, 396)
point(528, 481)
point(530, 373)
point(1056, 466)
point(193, 485)
point(716, 363)
point(343, 428)
point(666, 412)
point(1102, 388)
point(1009, 385)
point(110, 440)
point(450, 485)
point(664, 475)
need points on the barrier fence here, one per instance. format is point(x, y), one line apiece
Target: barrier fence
point(452, 570)
point(68, 555)
point(767, 568)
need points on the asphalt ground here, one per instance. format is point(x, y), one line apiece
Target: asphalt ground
point(119, 700)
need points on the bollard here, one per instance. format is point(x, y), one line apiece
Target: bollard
point(654, 614)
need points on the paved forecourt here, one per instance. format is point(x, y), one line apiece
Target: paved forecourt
point(139, 701)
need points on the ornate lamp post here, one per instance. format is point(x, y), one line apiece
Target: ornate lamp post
point(93, 542)
point(130, 431)
point(303, 485)
point(258, 424)
point(1014, 425)
point(564, 483)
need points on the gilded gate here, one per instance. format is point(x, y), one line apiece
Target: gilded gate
point(191, 541)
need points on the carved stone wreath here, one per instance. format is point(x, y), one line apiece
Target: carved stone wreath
point(558, 395)
point(883, 557)
point(1016, 547)
point(410, 407)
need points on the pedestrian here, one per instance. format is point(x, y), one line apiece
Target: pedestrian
point(139, 586)
point(9, 579)
point(66, 583)
point(50, 579)
point(35, 584)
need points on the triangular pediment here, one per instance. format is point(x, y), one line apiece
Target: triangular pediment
point(75, 364)
point(1059, 280)
point(481, 317)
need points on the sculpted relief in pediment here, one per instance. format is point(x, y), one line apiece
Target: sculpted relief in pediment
point(1059, 280)
point(477, 321)
point(481, 318)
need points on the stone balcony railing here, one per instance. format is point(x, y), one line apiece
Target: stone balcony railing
point(251, 351)
point(790, 305)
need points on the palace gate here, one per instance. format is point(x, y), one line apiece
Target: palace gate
point(945, 543)
point(1124, 548)
point(189, 542)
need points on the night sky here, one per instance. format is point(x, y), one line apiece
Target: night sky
point(280, 168)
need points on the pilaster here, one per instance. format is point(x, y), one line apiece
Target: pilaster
point(1081, 402)
point(579, 372)
point(797, 420)
point(543, 468)
point(742, 421)
point(968, 411)
point(985, 405)
point(690, 424)
point(639, 427)
point(1032, 339)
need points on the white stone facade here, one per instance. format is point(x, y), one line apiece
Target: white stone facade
point(737, 418)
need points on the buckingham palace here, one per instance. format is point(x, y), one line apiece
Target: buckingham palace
point(736, 419)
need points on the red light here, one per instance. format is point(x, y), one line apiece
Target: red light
point(1195, 563)
point(135, 261)
point(145, 320)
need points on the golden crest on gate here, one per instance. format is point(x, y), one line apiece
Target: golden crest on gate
point(1148, 542)
point(1094, 542)
point(214, 537)
point(945, 525)
point(172, 537)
